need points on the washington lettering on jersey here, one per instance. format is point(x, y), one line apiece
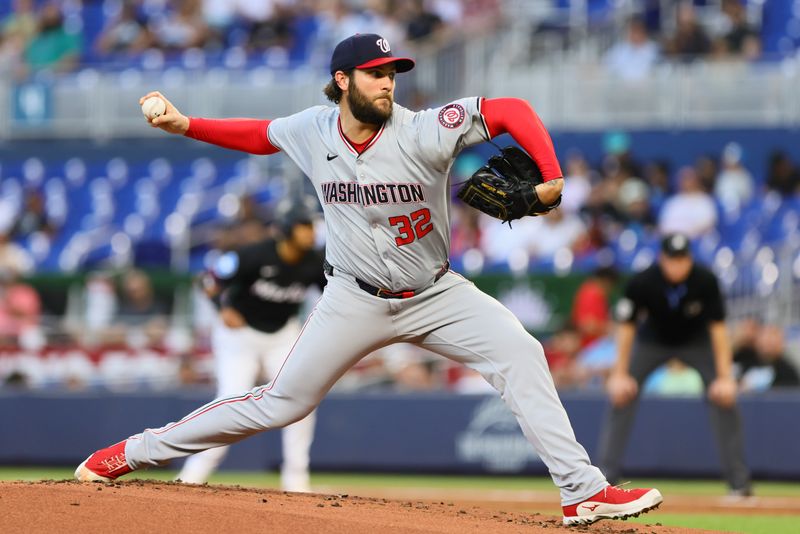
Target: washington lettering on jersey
point(371, 194)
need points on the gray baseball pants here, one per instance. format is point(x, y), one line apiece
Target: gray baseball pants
point(452, 318)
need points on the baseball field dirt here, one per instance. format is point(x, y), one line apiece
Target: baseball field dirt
point(147, 506)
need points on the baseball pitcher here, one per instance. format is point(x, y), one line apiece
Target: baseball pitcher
point(381, 174)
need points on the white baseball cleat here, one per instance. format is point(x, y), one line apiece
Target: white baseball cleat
point(84, 474)
point(612, 503)
point(297, 482)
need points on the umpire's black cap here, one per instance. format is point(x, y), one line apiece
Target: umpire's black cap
point(365, 50)
point(675, 245)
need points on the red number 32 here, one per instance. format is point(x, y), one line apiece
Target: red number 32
point(416, 225)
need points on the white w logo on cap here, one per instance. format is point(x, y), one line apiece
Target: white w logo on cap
point(383, 44)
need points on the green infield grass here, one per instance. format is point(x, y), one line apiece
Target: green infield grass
point(751, 524)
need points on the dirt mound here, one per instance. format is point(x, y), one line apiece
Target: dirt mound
point(144, 506)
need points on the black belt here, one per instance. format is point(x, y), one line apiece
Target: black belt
point(385, 293)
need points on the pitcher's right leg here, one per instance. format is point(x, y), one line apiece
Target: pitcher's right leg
point(346, 325)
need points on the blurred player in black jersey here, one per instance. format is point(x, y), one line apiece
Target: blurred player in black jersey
point(259, 290)
point(674, 309)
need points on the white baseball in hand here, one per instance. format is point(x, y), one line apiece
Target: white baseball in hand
point(154, 107)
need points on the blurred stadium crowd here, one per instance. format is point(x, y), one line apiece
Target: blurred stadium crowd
point(623, 203)
point(63, 35)
point(121, 336)
point(119, 329)
point(116, 331)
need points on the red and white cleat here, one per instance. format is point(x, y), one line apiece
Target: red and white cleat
point(104, 465)
point(612, 503)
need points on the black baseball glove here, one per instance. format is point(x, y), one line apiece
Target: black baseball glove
point(505, 187)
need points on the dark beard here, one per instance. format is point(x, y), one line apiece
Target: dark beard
point(364, 110)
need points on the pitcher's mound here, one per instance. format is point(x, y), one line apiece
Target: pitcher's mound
point(145, 506)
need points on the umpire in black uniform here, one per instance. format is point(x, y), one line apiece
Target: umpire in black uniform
point(674, 309)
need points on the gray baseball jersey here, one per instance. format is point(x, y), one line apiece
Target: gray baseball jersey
point(388, 209)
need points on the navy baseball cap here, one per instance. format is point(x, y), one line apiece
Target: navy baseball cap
point(365, 50)
point(675, 245)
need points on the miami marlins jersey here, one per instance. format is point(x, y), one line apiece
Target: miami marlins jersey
point(266, 290)
point(387, 210)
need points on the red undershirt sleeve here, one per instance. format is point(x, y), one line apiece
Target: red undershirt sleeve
point(516, 117)
point(246, 135)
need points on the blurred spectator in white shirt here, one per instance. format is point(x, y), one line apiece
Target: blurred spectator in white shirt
point(100, 307)
point(691, 211)
point(220, 14)
point(633, 59)
point(538, 237)
point(577, 183)
point(634, 206)
point(555, 231)
point(499, 241)
point(734, 185)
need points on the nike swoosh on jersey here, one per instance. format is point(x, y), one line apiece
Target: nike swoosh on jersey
point(332, 157)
